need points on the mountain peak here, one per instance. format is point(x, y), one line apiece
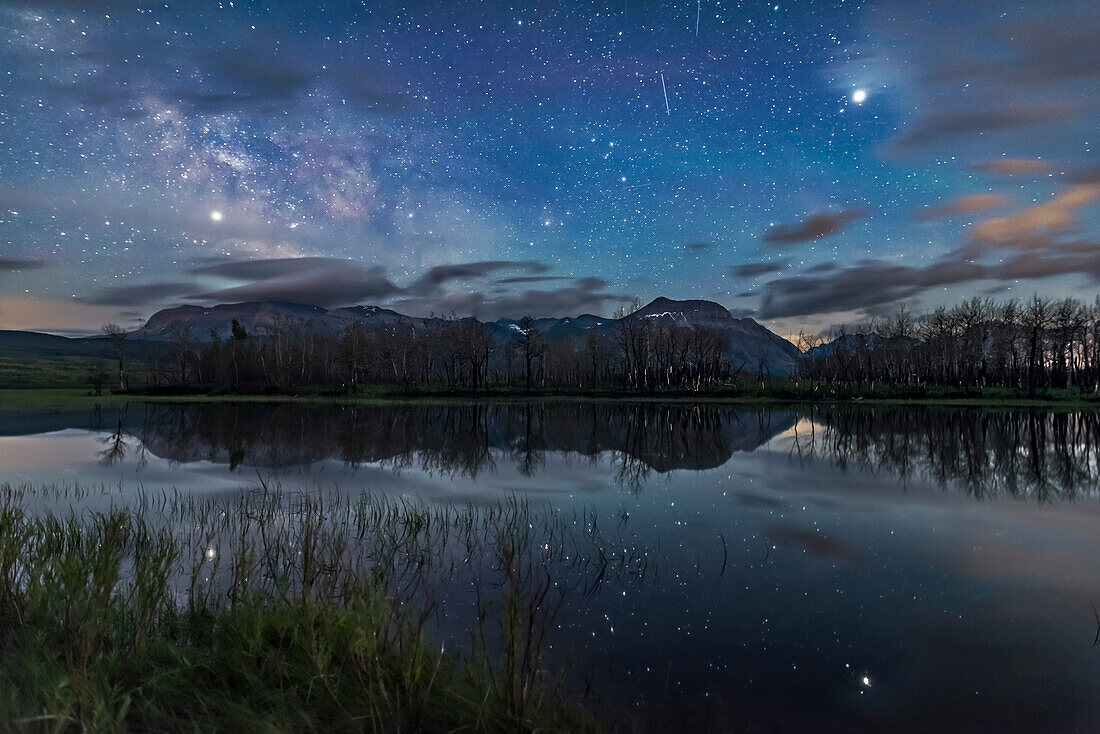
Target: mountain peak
point(252, 315)
point(692, 309)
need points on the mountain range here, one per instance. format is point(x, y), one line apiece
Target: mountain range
point(750, 344)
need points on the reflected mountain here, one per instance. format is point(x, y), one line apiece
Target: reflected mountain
point(1041, 454)
point(454, 439)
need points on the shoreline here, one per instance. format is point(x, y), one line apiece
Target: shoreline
point(64, 397)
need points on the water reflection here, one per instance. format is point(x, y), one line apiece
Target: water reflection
point(1045, 455)
point(458, 439)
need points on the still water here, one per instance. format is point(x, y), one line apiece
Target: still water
point(838, 568)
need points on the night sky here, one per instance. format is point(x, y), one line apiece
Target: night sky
point(806, 163)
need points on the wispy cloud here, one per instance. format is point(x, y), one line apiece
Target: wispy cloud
point(333, 282)
point(954, 124)
point(752, 270)
point(583, 295)
point(436, 277)
point(813, 227)
point(1057, 216)
point(1014, 167)
point(872, 283)
point(19, 264)
point(316, 281)
point(139, 294)
point(961, 207)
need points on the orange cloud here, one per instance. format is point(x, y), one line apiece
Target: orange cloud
point(1051, 217)
point(960, 207)
point(45, 314)
point(1014, 167)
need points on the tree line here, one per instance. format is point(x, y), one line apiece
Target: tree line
point(438, 353)
point(1037, 344)
point(1026, 346)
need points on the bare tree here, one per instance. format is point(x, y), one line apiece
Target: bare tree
point(530, 345)
point(118, 335)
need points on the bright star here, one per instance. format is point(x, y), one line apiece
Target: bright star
point(216, 216)
point(859, 96)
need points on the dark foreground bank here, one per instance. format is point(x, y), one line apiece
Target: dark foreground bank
point(270, 613)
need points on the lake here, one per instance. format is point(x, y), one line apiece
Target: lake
point(826, 568)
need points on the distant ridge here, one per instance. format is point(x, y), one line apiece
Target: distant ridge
point(750, 344)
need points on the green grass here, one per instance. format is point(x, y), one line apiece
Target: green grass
point(56, 397)
point(278, 613)
point(778, 392)
point(62, 371)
